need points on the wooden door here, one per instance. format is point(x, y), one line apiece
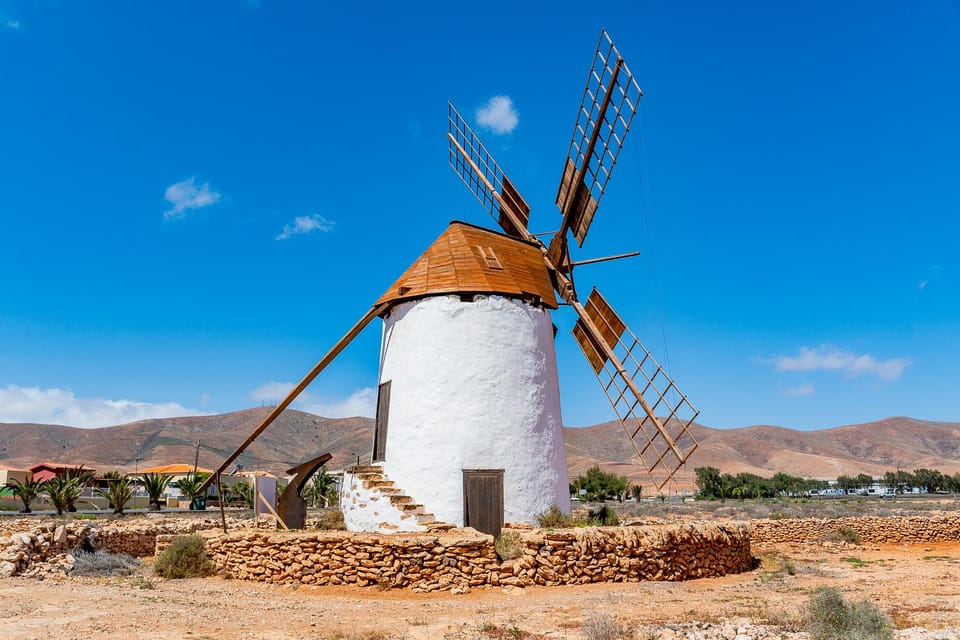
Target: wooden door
point(380, 428)
point(483, 500)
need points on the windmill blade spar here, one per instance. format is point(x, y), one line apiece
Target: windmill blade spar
point(484, 177)
point(610, 100)
point(632, 379)
point(296, 391)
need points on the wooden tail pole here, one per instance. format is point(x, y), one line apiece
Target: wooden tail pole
point(307, 379)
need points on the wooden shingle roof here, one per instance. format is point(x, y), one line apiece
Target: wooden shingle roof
point(467, 259)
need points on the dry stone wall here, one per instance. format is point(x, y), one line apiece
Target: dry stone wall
point(871, 530)
point(46, 547)
point(461, 559)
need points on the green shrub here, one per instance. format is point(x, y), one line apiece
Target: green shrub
point(844, 534)
point(184, 558)
point(604, 516)
point(554, 518)
point(830, 616)
point(508, 546)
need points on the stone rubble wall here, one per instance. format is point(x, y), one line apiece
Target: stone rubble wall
point(463, 558)
point(871, 529)
point(46, 548)
point(43, 549)
point(139, 538)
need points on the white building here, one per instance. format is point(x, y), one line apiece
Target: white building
point(468, 428)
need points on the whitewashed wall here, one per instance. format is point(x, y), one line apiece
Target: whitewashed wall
point(474, 386)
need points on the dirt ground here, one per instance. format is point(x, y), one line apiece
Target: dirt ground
point(916, 586)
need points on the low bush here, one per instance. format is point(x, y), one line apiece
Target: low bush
point(332, 519)
point(844, 534)
point(603, 627)
point(184, 558)
point(508, 546)
point(604, 516)
point(830, 616)
point(101, 563)
point(554, 518)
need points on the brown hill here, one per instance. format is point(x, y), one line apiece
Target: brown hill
point(293, 438)
point(871, 448)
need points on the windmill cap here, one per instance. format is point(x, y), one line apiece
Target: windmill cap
point(467, 259)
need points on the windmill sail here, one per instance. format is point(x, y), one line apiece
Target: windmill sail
point(484, 177)
point(655, 415)
point(610, 100)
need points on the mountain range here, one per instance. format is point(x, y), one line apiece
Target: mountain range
point(871, 448)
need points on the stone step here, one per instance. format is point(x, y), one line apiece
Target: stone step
point(368, 475)
point(378, 484)
point(365, 468)
point(412, 508)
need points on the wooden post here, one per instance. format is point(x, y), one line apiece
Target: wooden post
point(223, 514)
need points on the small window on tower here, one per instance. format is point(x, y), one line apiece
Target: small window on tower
point(490, 257)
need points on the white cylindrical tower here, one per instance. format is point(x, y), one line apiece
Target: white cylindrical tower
point(473, 386)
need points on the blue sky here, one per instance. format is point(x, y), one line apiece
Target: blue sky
point(199, 198)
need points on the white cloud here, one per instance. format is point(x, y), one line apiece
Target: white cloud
point(12, 25)
point(305, 224)
point(272, 392)
point(498, 115)
point(362, 402)
point(186, 195)
point(827, 358)
point(61, 406)
point(799, 391)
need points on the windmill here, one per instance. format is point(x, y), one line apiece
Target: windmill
point(468, 428)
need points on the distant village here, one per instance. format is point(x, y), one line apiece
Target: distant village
point(172, 486)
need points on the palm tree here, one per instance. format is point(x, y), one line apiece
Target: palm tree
point(155, 484)
point(245, 491)
point(62, 492)
point(118, 492)
point(322, 490)
point(26, 491)
point(189, 486)
point(82, 477)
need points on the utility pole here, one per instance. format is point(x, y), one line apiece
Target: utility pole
point(196, 459)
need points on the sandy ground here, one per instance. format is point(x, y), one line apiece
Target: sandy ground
point(917, 586)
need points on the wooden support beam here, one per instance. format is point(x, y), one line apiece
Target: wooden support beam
point(307, 379)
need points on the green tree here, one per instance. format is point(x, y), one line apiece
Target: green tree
point(189, 485)
point(636, 491)
point(928, 479)
point(118, 492)
point(155, 484)
point(600, 485)
point(27, 492)
point(846, 482)
point(245, 491)
point(708, 482)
